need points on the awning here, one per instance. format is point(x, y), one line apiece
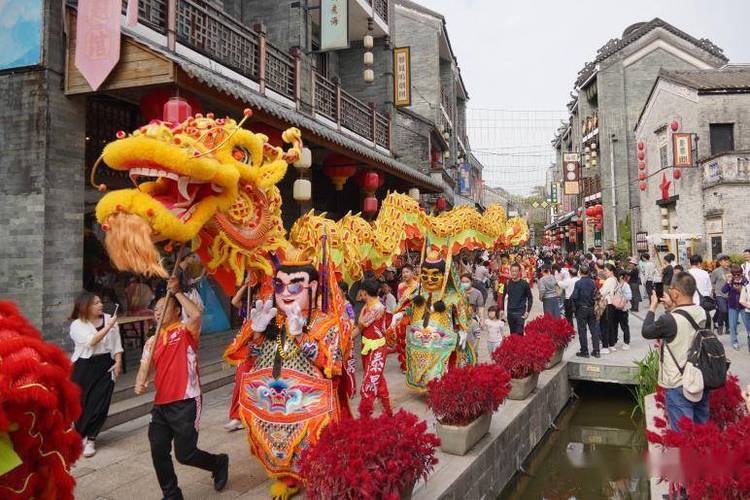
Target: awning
point(653, 238)
point(561, 221)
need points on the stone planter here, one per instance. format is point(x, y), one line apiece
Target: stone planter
point(458, 440)
point(520, 388)
point(406, 491)
point(555, 359)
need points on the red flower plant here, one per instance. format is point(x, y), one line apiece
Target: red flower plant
point(524, 355)
point(464, 394)
point(726, 403)
point(558, 329)
point(369, 457)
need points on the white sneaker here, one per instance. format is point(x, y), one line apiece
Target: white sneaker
point(89, 448)
point(233, 425)
point(612, 348)
point(604, 350)
point(626, 347)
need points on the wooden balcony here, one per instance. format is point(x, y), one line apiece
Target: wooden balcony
point(206, 29)
point(345, 110)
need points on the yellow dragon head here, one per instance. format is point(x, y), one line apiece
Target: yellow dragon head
point(207, 181)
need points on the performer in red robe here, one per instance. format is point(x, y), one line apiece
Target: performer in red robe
point(372, 325)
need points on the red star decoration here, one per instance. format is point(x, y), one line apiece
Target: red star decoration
point(664, 187)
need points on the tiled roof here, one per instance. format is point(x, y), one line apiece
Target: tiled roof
point(635, 32)
point(725, 79)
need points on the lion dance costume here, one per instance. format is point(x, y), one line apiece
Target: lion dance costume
point(211, 183)
point(38, 405)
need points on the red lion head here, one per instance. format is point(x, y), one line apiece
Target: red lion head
point(38, 405)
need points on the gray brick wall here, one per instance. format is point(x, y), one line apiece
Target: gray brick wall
point(411, 141)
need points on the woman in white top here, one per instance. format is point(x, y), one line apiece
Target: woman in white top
point(608, 319)
point(97, 361)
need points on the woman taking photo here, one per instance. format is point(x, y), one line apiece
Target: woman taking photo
point(97, 362)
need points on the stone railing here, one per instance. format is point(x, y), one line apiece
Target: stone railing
point(731, 167)
point(205, 28)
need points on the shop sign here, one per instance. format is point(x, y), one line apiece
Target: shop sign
point(682, 150)
point(641, 241)
point(402, 76)
point(334, 24)
point(571, 173)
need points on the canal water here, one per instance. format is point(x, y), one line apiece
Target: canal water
point(596, 453)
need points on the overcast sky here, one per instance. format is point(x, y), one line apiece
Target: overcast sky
point(519, 60)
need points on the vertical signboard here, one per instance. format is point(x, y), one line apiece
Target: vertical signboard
point(682, 150)
point(334, 24)
point(571, 173)
point(97, 39)
point(402, 76)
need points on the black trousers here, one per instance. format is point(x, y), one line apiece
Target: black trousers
point(649, 288)
point(635, 290)
point(569, 310)
point(609, 331)
point(516, 322)
point(93, 377)
point(659, 287)
point(176, 422)
point(622, 321)
point(585, 318)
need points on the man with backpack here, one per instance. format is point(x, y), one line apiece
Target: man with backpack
point(691, 358)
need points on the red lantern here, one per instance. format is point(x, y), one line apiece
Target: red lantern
point(642, 185)
point(641, 165)
point(641, 146)
point(152, 103)
point(176, 110)
point(675, 125)
point(677, 174)
point(641, 155)
point(441, 204)
point(339, 174)
point(642, 176)
point(370, 181)
point(370, 205)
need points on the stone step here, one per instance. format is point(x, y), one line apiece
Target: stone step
point(137, 406)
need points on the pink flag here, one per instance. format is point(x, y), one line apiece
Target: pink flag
point(97, 39)
point(132, 13)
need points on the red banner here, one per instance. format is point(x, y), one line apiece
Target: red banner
point(97, 39)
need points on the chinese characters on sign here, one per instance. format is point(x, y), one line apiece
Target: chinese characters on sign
point(402, 76)
point(334, 24)
point(571, 173)
point(682, 150)
point(97, 39)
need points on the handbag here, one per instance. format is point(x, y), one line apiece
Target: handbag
point(619, 300)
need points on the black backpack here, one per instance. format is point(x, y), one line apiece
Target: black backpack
point(706, 353)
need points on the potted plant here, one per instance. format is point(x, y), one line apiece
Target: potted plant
point(524, 357)
point(559, 330)
point(463, 401)
point(380, 457)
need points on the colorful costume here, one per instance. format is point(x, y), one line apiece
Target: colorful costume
point(435, 322)
point(38, 405)
point(372, 322)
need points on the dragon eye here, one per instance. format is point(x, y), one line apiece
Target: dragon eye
point(241, 154)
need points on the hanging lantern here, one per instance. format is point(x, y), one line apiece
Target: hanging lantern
point(593, 162)
point(675, 125)
point(176, 110)
point(642, 185)
point(441, 204)
point(414, 193)
point(641, 165)
point(677, 174)
point(302, 190)
point(152, 103)
point(305, 160)
point(446, 154)
point(370, 205)
point(368, 41)
point(642, 176)
point(370, 181)
point(368, 59)
point(593, 145)
point(339, 174)
point(641, 146)
point(593, 154)
point(641, 155)
point(665, 222)
point(369, 75)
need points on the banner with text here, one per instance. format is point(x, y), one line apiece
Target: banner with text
point(402, 76)
point(334, 24)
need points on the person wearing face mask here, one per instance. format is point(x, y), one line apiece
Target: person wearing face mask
point(472, 296)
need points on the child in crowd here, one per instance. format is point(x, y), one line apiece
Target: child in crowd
point(493, 327)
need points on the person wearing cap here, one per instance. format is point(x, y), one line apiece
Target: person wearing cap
point(676, 334)
point(634, 283)
point(718, 280)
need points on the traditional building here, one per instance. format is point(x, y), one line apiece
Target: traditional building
point(222, 56)
point(699, 119)
point(610, 92)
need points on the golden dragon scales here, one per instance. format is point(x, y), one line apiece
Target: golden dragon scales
point(212, 183)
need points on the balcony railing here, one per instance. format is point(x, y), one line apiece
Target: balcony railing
point(732, 167)
point(208, 30)
point(346, 111)
point(381, 9)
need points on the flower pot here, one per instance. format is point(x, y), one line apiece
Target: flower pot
point(458, 440)
point(555, 359)
point(406, 491)
point(522, 387)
